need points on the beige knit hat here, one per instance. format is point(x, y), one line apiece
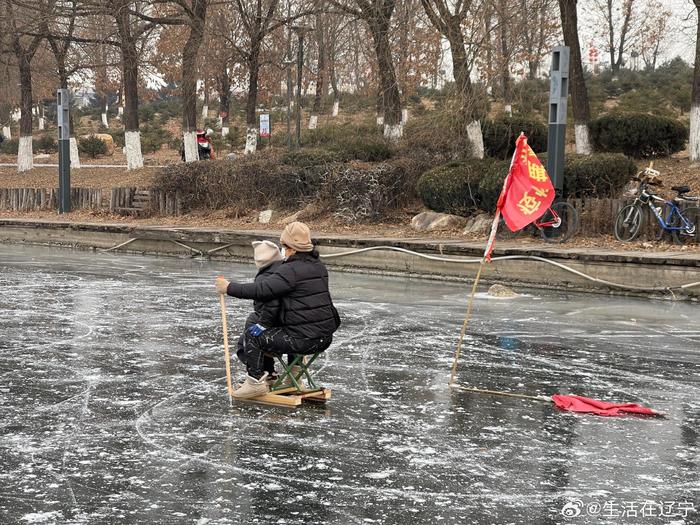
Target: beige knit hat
point(297, 236)
point(265, 253)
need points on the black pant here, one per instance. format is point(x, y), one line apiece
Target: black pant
point(276, 341)
point(268, 362)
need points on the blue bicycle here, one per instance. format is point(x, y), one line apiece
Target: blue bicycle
point(683, 224)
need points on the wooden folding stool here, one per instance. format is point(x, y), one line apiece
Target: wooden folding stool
point(283, 394)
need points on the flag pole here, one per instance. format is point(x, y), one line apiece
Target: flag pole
point(465, 324)
point(484, 259)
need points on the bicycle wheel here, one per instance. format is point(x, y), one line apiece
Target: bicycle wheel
point(689, 235)
point(628, 223)
point(503, 233)
point(566, 223)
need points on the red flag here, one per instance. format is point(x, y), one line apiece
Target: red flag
point(526, 195)
point(528, 192)
point(601, 408)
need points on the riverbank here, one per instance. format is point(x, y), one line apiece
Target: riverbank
point(665, 274)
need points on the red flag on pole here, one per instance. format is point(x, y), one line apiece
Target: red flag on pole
point(527, 192)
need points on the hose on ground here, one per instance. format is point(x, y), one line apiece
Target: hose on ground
point(514, 257)
point(476, 260)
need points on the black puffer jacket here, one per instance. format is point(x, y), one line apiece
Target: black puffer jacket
point(301, 283)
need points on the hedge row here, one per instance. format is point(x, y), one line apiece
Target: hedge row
point(442, 136)
point(41, 144)
point(461, 188)
point(638, 135)
point(352, 191)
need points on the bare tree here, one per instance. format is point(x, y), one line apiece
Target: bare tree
point(126, 32)
point(655, 32)
point(458, 24)
point(24, 25)
point(60, 32)
point(321, 73)
point(619, 24)
point(537, 27)
point(377, 15)
point(224, 28)
point(579, 94)
point(694, 142)
point(258, 20)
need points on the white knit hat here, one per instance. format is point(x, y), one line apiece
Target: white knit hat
point(265, 253)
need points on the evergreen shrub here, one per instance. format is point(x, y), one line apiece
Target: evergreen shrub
point(92, 146)
point(638, 135)
point(500, 135)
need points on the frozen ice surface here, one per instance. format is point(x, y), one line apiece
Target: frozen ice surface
point(114, 407)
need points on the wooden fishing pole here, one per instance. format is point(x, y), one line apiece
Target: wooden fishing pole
point(227, 355)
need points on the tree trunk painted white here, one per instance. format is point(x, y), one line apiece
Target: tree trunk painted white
point(219, 121)
point(7, 132)
point(205, 111)
point(313, 121)
point(380, 121)
point(251, 140)
point(120, 111)
point(694, 139)
point(336, 108)
point(105, 122)
point(393, 133)
point(583, 142)
point(132, 145)
point(224, 131)
point(25, 155)
point(476, 138)
point(74, 154)
point(41, 124)
point(508, 109)
point(404, 116)
point(191, 149)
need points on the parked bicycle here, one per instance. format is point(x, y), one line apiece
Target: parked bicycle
point(558, 224)
point(682, 224)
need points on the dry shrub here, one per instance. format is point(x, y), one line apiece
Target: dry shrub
point(359, 192)
point(353, 192)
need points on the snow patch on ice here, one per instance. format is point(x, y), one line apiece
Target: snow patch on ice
point(380, 475)
point(42, 517)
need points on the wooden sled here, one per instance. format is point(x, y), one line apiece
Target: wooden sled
point(283, 394)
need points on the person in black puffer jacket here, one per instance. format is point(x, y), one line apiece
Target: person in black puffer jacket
point(308, 317)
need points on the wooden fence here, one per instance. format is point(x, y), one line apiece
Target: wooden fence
point(117, 200)
point(596, 216)
point(31, 199)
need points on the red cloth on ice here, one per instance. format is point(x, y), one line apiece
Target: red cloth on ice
point(601, 408)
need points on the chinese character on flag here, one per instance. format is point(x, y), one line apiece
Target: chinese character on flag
point(527, 192)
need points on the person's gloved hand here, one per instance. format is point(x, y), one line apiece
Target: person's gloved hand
point(221, 285)
point(256, 330)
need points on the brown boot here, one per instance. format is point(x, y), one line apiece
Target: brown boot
point(252, 387)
